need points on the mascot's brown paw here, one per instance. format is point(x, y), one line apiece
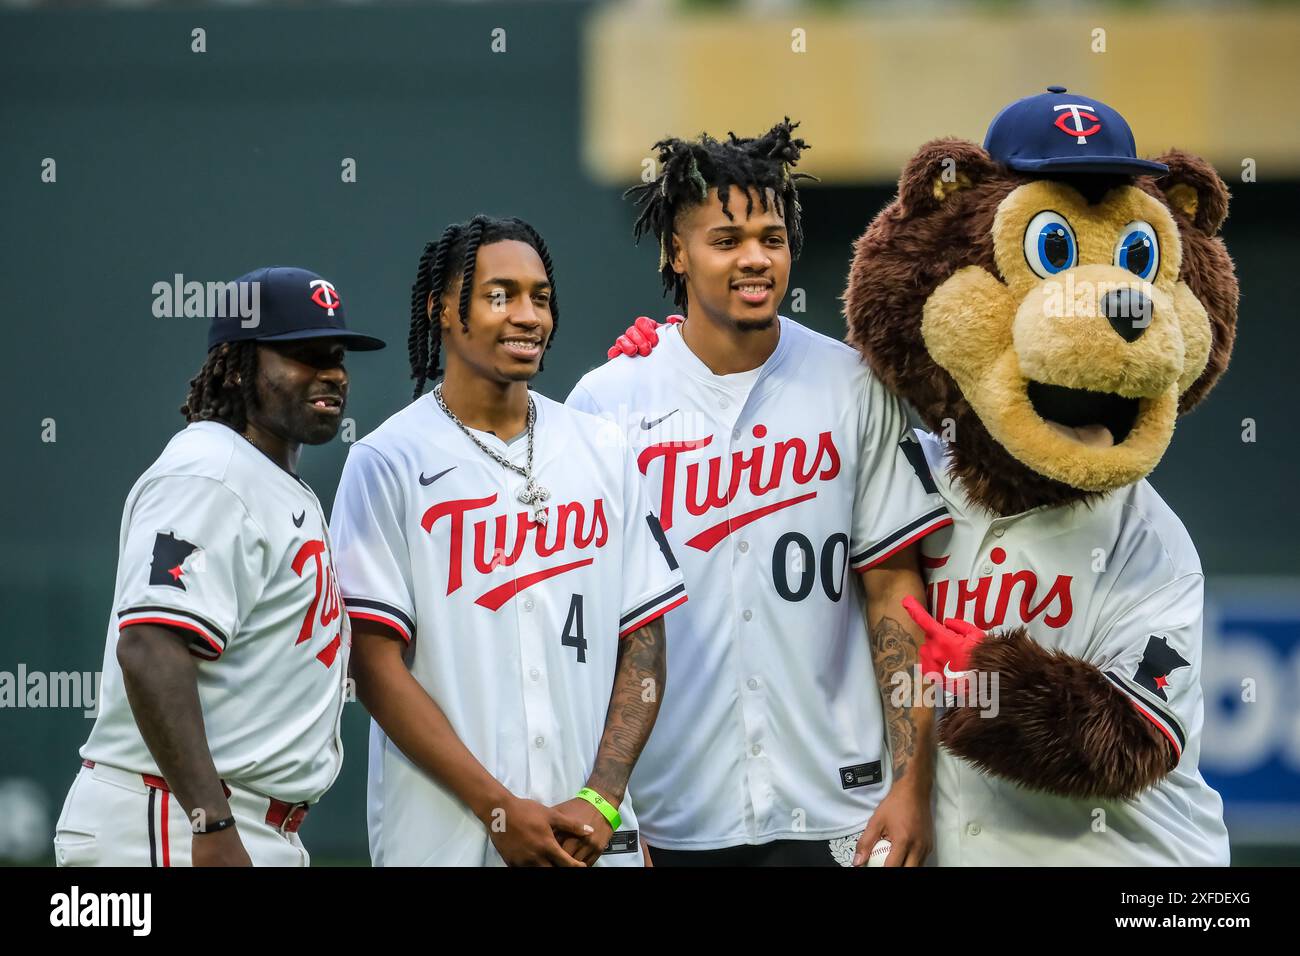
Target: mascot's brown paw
point(1060, 726)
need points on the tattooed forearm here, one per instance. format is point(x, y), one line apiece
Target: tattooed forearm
point(894, 650)
point(639, 679)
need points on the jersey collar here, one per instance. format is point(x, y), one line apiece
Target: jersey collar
point(936, 455)
point(516, 448)
point(245, 447)
point(688, 361)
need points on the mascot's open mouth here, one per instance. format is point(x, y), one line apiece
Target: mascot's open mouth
point(1083, 411)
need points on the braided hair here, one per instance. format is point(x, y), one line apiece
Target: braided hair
point(225, 387)
point(455, 255)
point(688, 169)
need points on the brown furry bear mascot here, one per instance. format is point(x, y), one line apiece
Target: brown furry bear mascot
point(1050, 304)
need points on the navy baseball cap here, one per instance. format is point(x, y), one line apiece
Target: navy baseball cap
point(1061, 132)
point(283, 304)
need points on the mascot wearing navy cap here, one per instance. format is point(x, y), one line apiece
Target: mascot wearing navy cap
point(1050, 304)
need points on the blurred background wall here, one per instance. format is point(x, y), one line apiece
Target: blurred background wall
point(170, 159)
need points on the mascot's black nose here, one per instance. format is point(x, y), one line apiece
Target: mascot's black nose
point(1128, 311)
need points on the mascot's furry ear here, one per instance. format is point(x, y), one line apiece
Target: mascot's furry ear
point(1194, 190)
point(939, 169)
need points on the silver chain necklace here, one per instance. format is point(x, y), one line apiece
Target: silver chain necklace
point(533, 493)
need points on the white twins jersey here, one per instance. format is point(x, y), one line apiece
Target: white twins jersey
point(770, 485)
point(220, 542)
point(1119, 585)
point(515, 625)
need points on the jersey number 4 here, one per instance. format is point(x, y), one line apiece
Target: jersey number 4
point(572, 636)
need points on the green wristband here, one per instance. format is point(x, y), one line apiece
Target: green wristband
point(607, 809)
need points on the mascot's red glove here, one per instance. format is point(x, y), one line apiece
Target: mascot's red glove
point(945, 655)
point(641, 336)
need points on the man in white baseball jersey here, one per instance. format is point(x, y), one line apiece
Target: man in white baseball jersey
point(1118, 585)
point(775, 462)
point(506, 577)
point(227, 647)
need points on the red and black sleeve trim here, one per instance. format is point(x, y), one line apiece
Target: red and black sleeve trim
point(206, 639)
point(393, 617)
point(893, 543)
point(1164, 719)
point(647, 611)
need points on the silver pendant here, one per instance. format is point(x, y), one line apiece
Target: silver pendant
point(534, 494)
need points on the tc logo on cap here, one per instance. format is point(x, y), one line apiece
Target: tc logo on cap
point(1079, 112)
point(325, 296)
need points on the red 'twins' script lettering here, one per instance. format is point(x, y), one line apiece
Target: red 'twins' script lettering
point(510, 535)
point(972, 599)
point(325, 586)
point(762, 469)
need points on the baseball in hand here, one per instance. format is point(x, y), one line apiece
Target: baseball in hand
point(879, 853)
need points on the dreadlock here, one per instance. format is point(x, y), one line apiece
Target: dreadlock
point(688, 169)
point(225, 387)
point(454, 256)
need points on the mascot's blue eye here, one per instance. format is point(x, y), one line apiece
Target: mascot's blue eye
point(1049, 244)
point(1138, 249)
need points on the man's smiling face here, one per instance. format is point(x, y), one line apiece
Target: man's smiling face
point(737, 268)
point(510, 318)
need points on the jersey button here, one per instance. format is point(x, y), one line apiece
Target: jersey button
point(752, 683)
point(724, 404)
point(528, 604)
point(735, 434)
point(999, 532)
point(748, 615)
point(756, 750)
point(987, 569)
point(535, 674)
point(973, 829)
point(742, 547)
point(539, 741)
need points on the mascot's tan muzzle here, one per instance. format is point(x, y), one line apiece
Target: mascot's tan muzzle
point(1099, 328)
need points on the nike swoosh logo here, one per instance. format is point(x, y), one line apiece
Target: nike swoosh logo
point(429, 481)
point(297, 519)
point(649, 425)
point(952, 675)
